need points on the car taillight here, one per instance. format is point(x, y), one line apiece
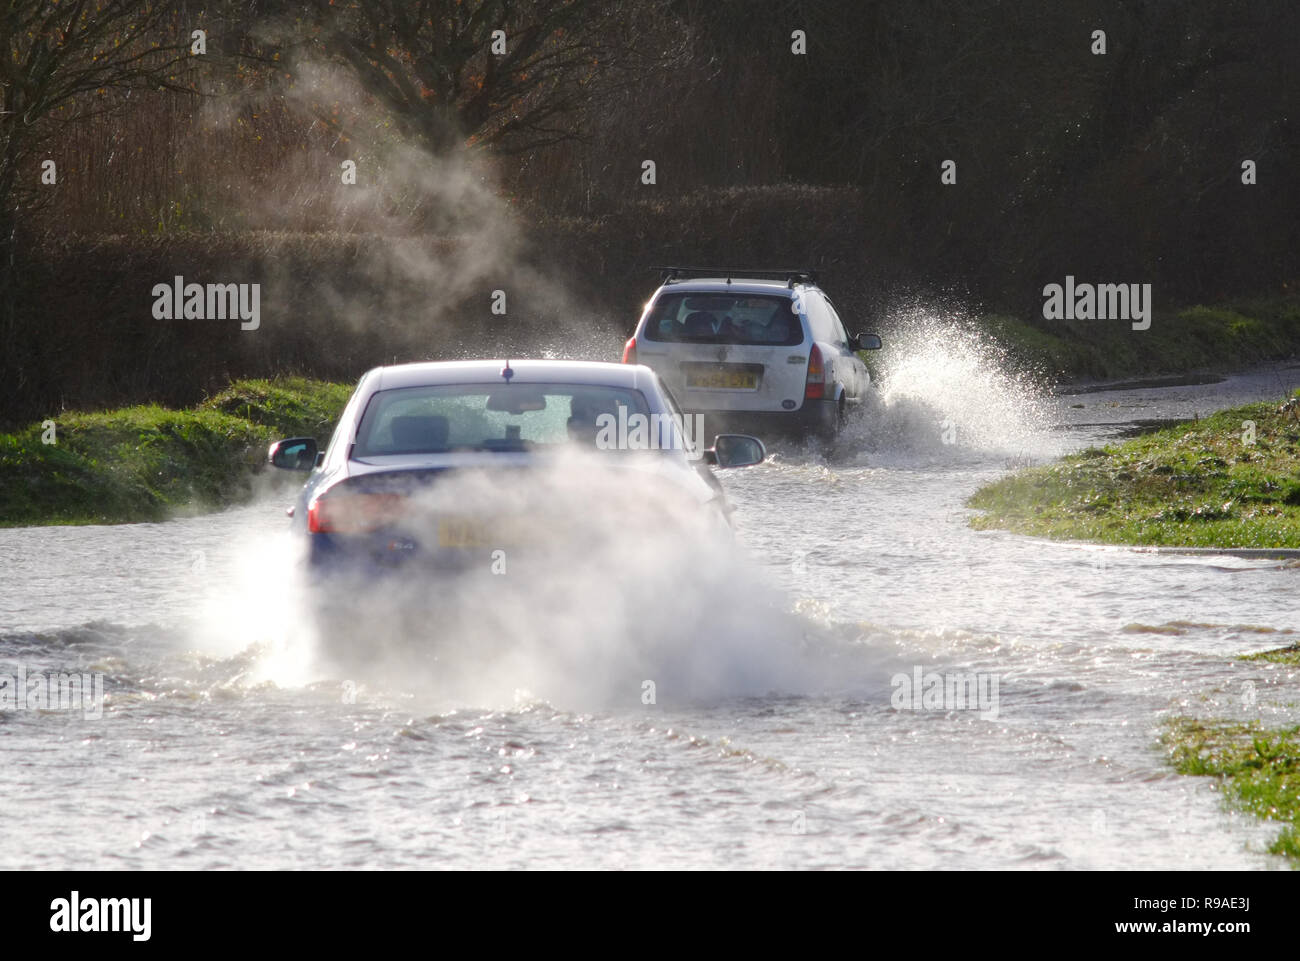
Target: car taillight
point(629, 351)
point(353, 513)
point(815, 386)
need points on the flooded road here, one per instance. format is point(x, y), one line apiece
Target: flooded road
point(222, 745)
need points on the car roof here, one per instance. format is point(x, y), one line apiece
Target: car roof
point(595, 373)
point(715, 285)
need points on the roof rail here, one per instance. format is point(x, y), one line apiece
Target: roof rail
point(790, 276)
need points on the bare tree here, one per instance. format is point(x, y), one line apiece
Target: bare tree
point(500, 73)
point(55, 59)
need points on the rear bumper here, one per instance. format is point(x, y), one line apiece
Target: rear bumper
point(818, 418)
point(334, 560)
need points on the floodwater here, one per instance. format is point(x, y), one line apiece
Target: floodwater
point(774, 737)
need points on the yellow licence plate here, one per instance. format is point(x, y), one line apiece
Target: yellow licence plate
point(471, 532)
point(723, 379)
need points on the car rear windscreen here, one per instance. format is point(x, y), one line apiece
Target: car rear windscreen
point(751, 319)
point(489, 417)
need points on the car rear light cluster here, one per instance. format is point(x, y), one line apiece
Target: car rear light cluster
point(815, 386)
point(629, 351)
point(354, 513)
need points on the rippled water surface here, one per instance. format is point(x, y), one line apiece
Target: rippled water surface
point(772, 740)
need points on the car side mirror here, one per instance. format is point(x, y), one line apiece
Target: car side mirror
point(735, 450)
point(866, 342)
point(295, 453)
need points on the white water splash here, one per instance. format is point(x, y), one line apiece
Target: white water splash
point(949, 392)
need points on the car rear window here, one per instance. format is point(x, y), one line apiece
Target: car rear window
point(722, 318)
point(487, 417)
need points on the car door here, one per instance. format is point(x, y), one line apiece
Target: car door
point(856, 377)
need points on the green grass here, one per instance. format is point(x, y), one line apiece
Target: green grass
point(1281, 655)
point(1258, 769)
point(1224, 336)
point(289, 406)
point(146, 463)
point(1192, 485)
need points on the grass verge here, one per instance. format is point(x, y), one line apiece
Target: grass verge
point(1217, 482)
point(1225, 336)
point(145, 463)
point(1258, 769)
point(1282, 655)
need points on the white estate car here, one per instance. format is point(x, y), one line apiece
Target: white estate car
point(759, 349)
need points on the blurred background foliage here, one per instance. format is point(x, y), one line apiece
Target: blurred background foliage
point(1124, 167)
